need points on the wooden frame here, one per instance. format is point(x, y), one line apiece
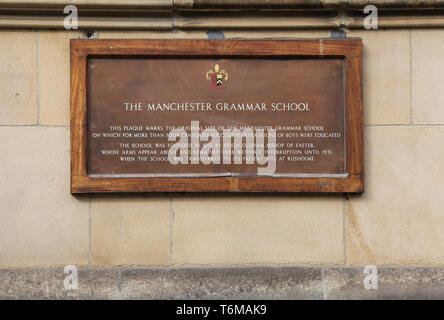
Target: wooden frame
point(349, 50)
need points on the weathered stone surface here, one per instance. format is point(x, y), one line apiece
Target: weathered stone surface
point(275, 34)
point(399, 218)
point(386, 76)
point(131, 230)
point(54, 75)
point(42, 224)
point(392, 283)
point(263, 230)
point(427, 76)
point(152, 35)
point(18, 78)
point(226, 283)
point(48, 284)
point(332, 283)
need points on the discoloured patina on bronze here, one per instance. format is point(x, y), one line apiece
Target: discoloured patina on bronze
point(134, 103)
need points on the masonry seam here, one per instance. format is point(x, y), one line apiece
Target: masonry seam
point(344, 227)
point(37, 76)
point(411, 76)
point(405, 125)
point(324, 291)
point(171, 231)
point(33, 125)
point(173, 16)
point(119, 280)
point(199, 267)
point(89, 232)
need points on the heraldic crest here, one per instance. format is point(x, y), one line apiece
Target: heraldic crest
point(217, 77)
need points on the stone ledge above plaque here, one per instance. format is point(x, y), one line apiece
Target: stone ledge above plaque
point(216, 116)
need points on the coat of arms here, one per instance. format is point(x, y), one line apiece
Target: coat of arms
point(217, 77)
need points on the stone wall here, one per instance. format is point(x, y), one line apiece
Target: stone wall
point(398, 221)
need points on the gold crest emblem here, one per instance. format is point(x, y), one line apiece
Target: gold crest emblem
point(217, 77)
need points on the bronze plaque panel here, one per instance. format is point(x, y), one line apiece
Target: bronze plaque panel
point(134, 104)
point(216, 116)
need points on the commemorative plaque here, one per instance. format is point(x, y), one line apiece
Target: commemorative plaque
point(216, 116)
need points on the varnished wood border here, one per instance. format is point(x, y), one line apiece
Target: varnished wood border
point(350, 50)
